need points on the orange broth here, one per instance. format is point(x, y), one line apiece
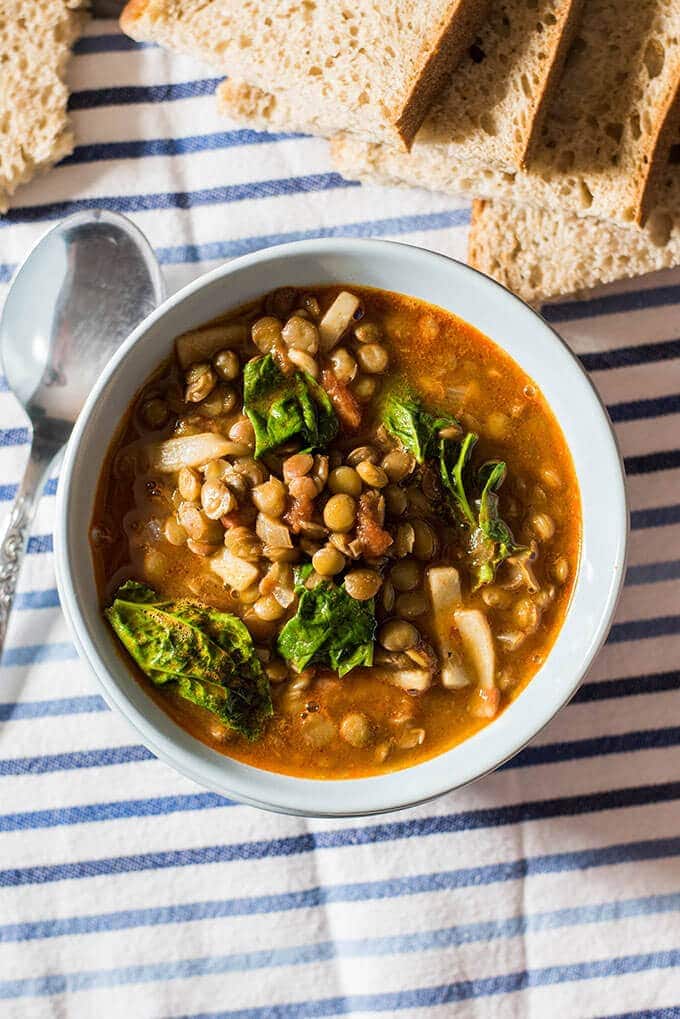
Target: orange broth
point(454, 368)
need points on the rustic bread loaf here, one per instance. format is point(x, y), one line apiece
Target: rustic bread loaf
point(606, 135)
point(35, 43)
point(372, 68)
point(491, 110)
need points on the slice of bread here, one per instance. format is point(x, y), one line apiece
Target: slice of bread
point(606, 135)
point(372, 67)
point(494, 104)
point(35, 43)
point(539, 253)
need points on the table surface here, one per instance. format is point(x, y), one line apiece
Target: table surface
point(551, 887)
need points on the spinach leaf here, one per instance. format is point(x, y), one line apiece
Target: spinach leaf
point(496, 533)
point(491, 540)
point(284, 407)
point(327, 424)
point(329, 628)
point(208, 654)
point(453, 459)
point(404, 416)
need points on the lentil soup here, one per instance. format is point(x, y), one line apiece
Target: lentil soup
point(337, 532)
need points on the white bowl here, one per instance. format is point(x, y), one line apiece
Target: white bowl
point(516, 329)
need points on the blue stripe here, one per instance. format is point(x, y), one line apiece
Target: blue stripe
point(18, 711)
point(612, 304)
point(113, 43)
point(144, 147)
point(598, 746)
point(627, 357)
point(114, 811)
point(630, 686)
point(637, 410)
point(297, 955)
point(8, 492)
point(362, 891)
point(632, 742)
point(653, 573)
point(492, 817)
point(47, 599)
point(647, 1013)
point(40, 544)
point(644, 629)
point(656, 516)
point(75, 760)
point(218, 250)
point(447, 994)
point(14, 436)
point(187, 253)
point(35, 654)
point(647, 463)
point(125, 95)
point(181, 199)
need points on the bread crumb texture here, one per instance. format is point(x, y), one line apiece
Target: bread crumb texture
point(35, 43)
point(363, 67)
point(540, 253)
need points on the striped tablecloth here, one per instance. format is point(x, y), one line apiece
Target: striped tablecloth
point(550, 888)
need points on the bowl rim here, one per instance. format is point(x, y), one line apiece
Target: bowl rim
point(313, 797)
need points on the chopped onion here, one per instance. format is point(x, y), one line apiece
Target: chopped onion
point(478, 643)
point(236, 573)
point(201, 344)
point(272, 532)
point(285, 596)
point(418, 680)
point(171, 455)
point(337, 319)
point(443, 583)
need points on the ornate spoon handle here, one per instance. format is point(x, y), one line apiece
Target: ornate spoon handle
point(15, 537)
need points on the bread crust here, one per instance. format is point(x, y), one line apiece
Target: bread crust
point(454, 38)
point(659, 152)
point(569, 19)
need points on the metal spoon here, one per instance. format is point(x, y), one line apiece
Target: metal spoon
point(79, 293)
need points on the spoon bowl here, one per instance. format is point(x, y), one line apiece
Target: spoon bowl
point(82, 289)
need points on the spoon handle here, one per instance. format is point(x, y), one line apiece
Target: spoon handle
point(14, 539)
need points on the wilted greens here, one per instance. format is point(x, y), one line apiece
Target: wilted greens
point(474, 500)
point(453, 461)
point(417, 430)
point(285, 407)
point(496, 532)
point(329, 628)
point(209, 655)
